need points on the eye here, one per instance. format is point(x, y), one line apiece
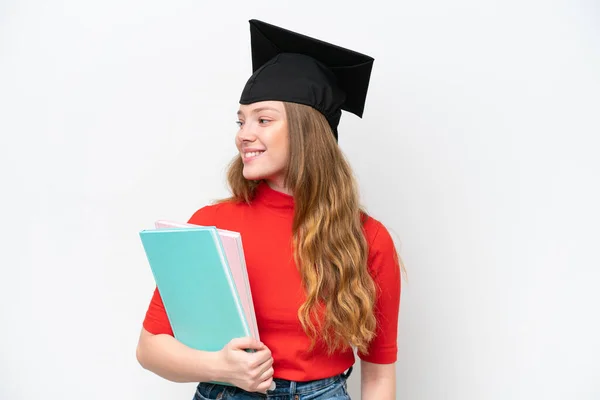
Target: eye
point(263, 121)
point(239, 123)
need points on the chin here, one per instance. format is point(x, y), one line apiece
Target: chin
point(257, 174)
point(253, 176)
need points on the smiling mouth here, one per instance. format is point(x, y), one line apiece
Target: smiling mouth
point(252, 154)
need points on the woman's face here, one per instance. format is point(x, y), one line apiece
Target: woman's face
point(263, 142)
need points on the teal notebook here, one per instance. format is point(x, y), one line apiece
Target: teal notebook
point(197, 288)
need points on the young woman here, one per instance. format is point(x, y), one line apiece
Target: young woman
point(325, 276)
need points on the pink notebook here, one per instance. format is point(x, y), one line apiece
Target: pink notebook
point(234, 252)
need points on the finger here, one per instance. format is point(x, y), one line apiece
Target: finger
point(265, 366)
point(268, 374)
point(261, 356)
point(246, 343)
point(268, 384)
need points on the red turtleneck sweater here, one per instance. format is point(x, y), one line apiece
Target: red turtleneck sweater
point(277, 291)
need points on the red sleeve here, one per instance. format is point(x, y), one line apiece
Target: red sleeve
point(205, 216)
point(156, 320)
point(385, 268)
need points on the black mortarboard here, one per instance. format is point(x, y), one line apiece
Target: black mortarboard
point(288, 66)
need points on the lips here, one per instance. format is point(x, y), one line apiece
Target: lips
point(251, 155)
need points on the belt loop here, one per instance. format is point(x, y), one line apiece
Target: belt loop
point(346, 374)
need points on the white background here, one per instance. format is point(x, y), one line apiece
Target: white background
point(478, 150)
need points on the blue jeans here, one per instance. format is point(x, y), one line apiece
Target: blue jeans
point(320, 389)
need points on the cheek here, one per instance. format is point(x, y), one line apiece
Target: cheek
point(283, 144)
point(285, 150)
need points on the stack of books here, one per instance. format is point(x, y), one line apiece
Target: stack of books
point(200, 272)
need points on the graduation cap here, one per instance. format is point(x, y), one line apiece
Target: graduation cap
point(291, 67)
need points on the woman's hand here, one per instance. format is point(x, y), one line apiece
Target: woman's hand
point(250, 371)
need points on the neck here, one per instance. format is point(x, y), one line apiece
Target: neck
point(278, 185)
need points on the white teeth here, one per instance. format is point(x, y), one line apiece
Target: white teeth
point(253, 154)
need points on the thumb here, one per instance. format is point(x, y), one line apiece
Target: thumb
point(246, 343)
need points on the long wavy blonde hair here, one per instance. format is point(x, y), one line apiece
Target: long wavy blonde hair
point(330, 248)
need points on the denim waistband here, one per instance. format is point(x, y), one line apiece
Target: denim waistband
point(283, 388)
point(293, 387)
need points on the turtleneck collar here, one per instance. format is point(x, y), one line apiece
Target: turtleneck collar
point(273, 198)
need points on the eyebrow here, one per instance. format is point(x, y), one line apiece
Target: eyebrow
point(257, 110)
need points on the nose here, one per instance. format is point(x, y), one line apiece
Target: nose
point(246, 134)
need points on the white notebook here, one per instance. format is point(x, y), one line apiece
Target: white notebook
point(234, 251)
